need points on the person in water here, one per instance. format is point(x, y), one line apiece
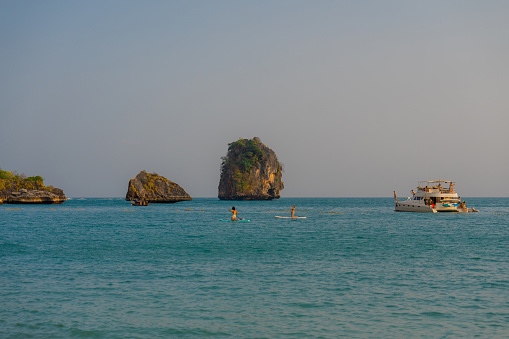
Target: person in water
point(293, 211)
point(234, 211)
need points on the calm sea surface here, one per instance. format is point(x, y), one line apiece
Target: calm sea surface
point(100, 268)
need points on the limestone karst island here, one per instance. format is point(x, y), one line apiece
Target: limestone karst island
point(153, 188)
point(250, 171)
point(20, 189)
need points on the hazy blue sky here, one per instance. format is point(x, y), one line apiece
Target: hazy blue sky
point(357, 98)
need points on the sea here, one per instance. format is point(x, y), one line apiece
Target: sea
point(353, 268)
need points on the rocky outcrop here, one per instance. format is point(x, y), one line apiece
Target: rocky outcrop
point(19, 189)
point(24, 196)
point(153, 188)
point(250, 171)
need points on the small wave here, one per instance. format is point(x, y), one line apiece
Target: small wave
point(76, 332)
point(194, 332)
point(306, 305)
point(11, 248)
point(435, 314)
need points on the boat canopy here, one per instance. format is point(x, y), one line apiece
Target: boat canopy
point(439, 185)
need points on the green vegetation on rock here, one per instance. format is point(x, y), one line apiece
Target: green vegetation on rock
point(243, 154)
point(15, 181)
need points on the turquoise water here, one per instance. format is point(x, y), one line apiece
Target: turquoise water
point(100, 268)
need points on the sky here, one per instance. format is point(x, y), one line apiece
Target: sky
point(357, 98)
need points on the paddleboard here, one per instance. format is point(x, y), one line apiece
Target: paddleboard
point(234, 220)
point(277, 216)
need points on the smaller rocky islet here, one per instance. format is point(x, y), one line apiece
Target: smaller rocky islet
point(153, 188)
point(19, 189)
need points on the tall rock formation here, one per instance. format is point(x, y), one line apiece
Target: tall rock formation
point(153, 188)
point(250, 171)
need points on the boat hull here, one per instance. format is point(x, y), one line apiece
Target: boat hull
point(419, 208)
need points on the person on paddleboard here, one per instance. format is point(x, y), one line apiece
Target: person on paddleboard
point(234, 211)
point(293, 211)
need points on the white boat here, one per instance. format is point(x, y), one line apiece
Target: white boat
point(432, 197)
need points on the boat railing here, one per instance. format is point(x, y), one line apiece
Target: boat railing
point(435, 189)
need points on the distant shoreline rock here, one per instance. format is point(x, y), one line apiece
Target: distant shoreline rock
point(153, 188)
point(250, 171)
point(24, 196)
point(19, 189)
